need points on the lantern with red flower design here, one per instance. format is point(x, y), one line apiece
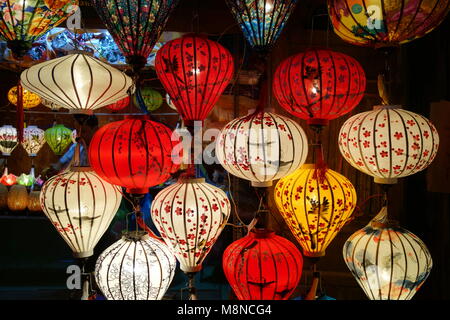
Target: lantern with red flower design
point(119, 105)
point(194, 71)
point(262, 266)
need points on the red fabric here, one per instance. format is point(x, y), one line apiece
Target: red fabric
point(262, 266)
point(194, 71)
point(20, 113)
point(119, 105)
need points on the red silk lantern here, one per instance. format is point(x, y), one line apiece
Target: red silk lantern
point(319, 85)
point(194, 71)
point(119, 105)
point(135, 153)
point(262, 266)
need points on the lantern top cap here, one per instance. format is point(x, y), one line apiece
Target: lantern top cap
point(262, 233)
point(192, 180)
point(307, 166)
point(135, 235)
point(381, 107)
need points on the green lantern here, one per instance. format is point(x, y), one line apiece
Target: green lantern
point(58, 138)
point(152, 99)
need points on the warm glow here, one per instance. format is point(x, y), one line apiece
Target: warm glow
point(33, 140)
point(30, 99)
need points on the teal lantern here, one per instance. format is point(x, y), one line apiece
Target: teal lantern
point(150, 97)
point(58, 138)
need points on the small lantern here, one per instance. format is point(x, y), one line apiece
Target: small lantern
point(33, 140)
point(58, 138)
point(30, 99)
point(8, 179)
point(151, 98)
point(26, 180)
point(8, 139)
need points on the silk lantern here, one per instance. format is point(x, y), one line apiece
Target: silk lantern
point(81, 206)
point(8, 139)
point(388, 262)
point(190, 215)
point(262, 266)
point(262, 147)
point(17, 198)
point(136, 267)
point(314, 207)
point(78, 82)
point(385, 23)
point(119, 105)
point(194, 71)
point(262, 21)
point(58, 138)
point(319, 85)
point(33, 140)
point(151, 98)
point(8, 179)
point(388, 143)
point(135, 153)
point(29, 99)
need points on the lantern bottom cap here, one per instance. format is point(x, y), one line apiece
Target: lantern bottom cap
point(317, 122)
point(187, 269)
point(84, 254)
point(81, 111)
point(261, 184)
point(385, 180)
point(314, 254)
point(137, 190)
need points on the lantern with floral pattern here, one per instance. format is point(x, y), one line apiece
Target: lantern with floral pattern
point(8, 139)
point(33, 140)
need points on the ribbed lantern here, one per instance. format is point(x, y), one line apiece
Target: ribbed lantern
point(389, 262)
point(137, 267)
point(81, 206)
point(190, 215)
point(262, 147)
point(119, 105)
point(151, 98)
point(382, 23)
point(33, 140)
point(29, 99)
point(262, 266)
point(194, 71)
point(78, 82)
point(58, 138)
point(315, 208)
point(262, 21)
point(319, 85)
point(8, 139)
point(135, 153)
point(388, 143)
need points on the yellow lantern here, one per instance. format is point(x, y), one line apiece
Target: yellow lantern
point(315, 205)
point(30, 99)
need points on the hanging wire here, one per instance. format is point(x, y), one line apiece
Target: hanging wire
point(235, 207)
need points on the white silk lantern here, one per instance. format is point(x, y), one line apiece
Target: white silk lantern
point(8, 139)
point(33, 140)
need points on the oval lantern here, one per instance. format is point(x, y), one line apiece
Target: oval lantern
point(262, 147)
point(194, 71)
point(8, 139)
point(58, 138)
point(388, 262)
point(17, 198)
point(383, 23)
point(81, 206)
point(319, 85)
point(262, 266)
point(137, 267)
point(49, 104)
point(34, 203)
point(315, 208)
point(388, 143)
point(152, 99)
point(33, 140)
point(119, 105)
point(93, 83)
point(190, 215)
point(135, 153)
point(29, 99)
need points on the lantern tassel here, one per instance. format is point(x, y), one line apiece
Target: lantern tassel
point(20, 113)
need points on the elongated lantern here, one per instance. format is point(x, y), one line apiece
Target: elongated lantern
point(319, 85)
point(315, 208)
point(29, 99)
point(389, 262)
point(58, 138)
point(194, 71)
point(8, 139)
point(78, 82)
point(136, 267)
point(81, 206)
point(262, 266)
point(190, 215)
point(262, 147)
point(388, 143)
point(33, 140)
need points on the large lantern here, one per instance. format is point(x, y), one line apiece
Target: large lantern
point(194, 71)
point(315, 207)
point(78, 82)
point(319, 85)
point(382, 23)
point(389, 262)
point(388, 143)
point(119, 105)
point(190, 215)
point(262, 147)
point(80, 205)
point(135, 153)
point(262, 266)
point(33, 140)
point(262, 21)
point(150, 97)
point(29, 99)
point(137, 267)
point(8, 139)
point(24, 21)
point(58, 138)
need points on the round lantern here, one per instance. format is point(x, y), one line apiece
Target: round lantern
point(17, 198)
point(190, 215)
point(135, 153)
point(49, 104)
point(388, 143)
point(34, 203)
point(319, 85)
point(262, 147)
point(152, 99)
point(136, 267)
point(26, 180)
point(262, 266)
point(119, 105)
point(382, 23)
point(33, 140)
point(58, 138)
point(314, 207)
point(8, 179)
point(78, 82)
point(30, 99)
point(169, 102)
point(8, 139)
point(80, 205)
point(194, 71)
point(389, 262)
point(262, 21)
